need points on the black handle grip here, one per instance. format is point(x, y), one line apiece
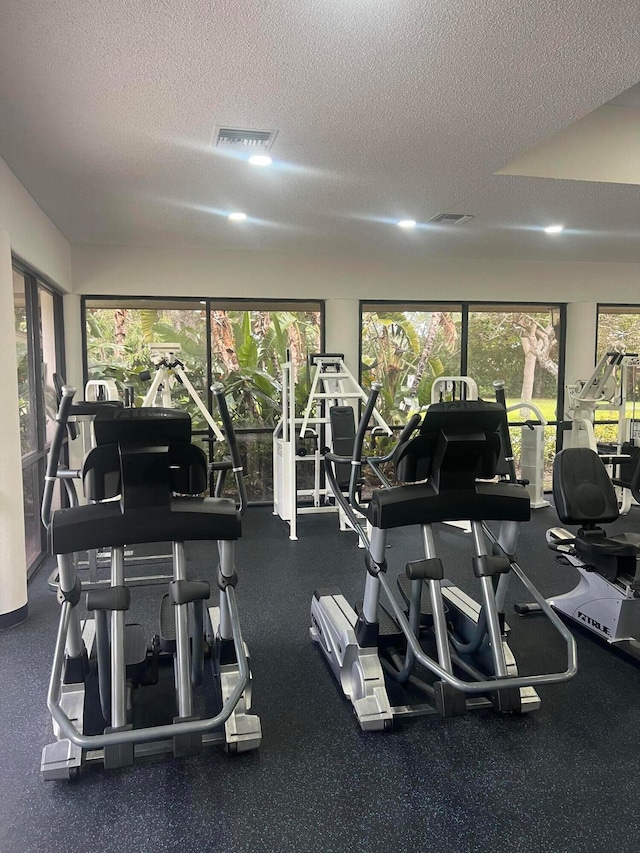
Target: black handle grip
point(232, 442)
point(364, 421)
point(505, 435)
point(409, 427)
point(53, 460)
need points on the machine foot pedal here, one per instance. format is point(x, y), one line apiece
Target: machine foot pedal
point(389, 630)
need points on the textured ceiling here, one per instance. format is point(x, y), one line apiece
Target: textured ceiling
point(384, 109)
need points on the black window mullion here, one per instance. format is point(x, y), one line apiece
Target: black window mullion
point(464, 339)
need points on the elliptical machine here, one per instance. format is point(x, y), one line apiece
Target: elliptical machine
point(145, 478)
point(444, 464)
point(606, 599)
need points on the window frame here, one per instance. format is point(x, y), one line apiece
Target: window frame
point(465, 307)
point(34, 462)
point(207, 304)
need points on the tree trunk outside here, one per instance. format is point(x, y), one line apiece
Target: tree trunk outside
point(434, 323)
point(223, 340)
point(120, 320)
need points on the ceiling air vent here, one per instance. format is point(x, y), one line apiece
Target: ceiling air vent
point(233, 137)
point(451, 218)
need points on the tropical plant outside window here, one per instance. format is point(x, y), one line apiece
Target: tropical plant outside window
point(407, 347)
point(28, 440)
point(405, 350)
point(241, 344)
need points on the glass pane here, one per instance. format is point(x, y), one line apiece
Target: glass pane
point(257, 461)
point(619, 330)
point(521, 348)
point(406, 351)
point(28, 431)
point(248, 349)
point(520, 434)
point(49, 363)
point(32, 525)
point(118, 342)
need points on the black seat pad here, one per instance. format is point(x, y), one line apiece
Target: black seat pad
point(104, 524)
point(420, 503)
point(623, 545)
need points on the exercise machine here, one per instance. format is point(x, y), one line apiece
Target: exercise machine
point(607, 389)
point(299, 441)
point(452, 388)
point(443, 463)
point(101, 398)
point(531, 447)
point(606, 599)
point(169, 371)
point(145, 479)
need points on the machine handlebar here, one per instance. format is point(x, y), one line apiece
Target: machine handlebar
point(232, 442)
point(64, 408)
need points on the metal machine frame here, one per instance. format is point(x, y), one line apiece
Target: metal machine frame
point(120, 744)
point(356, 658)
point(332, 384)
point(169, 370)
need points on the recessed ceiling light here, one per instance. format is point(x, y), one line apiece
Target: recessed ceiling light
point(553, 229)
point(260, 160)
point(237, 217)
point(407, 223)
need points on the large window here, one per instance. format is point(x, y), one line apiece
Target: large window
point(407, 346)
point(519, 344)
point(404, 347)
point(118, 334)
point(38, 336)
point(618, 329)
point(243, 344)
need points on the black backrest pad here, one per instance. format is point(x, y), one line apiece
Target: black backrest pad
point(185, 464)
point(582, 490)
point(457, 443)
point(343, 435)
point(101, 472)
point(148, 426)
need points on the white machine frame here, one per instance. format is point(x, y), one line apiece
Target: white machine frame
point(604, 390)
point(169, 370)
point(609, 608)
point(336, 387)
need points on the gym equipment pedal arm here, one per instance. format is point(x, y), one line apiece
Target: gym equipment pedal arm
point(500, 682)
point(149, 734)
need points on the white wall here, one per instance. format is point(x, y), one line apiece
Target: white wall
point(162, 272)
point(13, 571)
point(28, 233)
point(342, 281)
point(33, 236)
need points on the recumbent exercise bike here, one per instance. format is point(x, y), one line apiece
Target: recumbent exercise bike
point(606, 599)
